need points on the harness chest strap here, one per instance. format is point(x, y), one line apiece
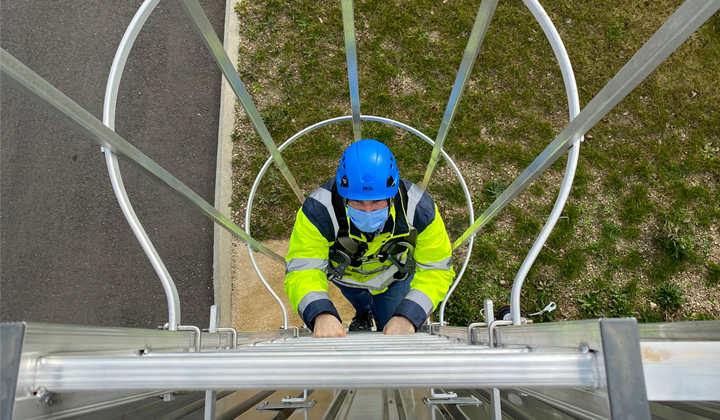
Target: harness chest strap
point(346, 252)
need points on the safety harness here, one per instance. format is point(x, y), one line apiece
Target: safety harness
point(346, 252)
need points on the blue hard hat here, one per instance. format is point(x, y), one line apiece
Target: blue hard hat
point(367, 171)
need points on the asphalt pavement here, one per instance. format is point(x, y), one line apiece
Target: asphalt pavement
point(67, 254)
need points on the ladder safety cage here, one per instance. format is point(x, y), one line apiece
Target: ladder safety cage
point(607, 368)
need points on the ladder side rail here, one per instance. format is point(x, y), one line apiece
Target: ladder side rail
point(41, 340)
point(676, 363)
point(686, 331)
point(11, 346)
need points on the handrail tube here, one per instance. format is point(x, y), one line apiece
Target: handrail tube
point(258, 370)
point(348, 20)
point(686, 20)
point(28, 82)
point(573, 109)
point(111, 92)
point(267, 286)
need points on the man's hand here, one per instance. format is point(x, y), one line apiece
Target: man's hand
point(399, 325)
point(326, 325)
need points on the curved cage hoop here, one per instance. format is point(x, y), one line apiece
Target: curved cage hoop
point(314, 127)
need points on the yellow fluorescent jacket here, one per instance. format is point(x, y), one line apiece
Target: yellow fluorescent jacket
point(316, 230)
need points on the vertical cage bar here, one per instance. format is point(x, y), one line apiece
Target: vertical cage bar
point(686, 20)
point(573, 109)
point(348, 18)
point(480, 28)
point(109, 105)
point(207, 33)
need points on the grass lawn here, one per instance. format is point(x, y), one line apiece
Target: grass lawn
point(640, 234)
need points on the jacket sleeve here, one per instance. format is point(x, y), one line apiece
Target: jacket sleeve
point(305, 264)
point(434, 273)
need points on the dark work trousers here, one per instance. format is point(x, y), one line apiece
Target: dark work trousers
point(382, 305)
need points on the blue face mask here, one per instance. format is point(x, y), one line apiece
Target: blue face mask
point(368, 222)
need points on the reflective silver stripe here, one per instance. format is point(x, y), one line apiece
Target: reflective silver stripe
point(421, 299)
point(325, 198)
point(369, 272)
point(310, 298)
point(445, 264)
point(378, 282)
point(415, 193)
point(300, 264)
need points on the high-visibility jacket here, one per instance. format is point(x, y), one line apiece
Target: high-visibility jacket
point(316, 229)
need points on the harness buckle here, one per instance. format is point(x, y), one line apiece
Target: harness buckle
point(343, 260)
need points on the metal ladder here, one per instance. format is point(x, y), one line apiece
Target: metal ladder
point(585, 369)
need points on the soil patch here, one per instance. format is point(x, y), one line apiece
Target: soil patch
point(254, 308)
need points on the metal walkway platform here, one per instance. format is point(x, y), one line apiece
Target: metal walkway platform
point(585, 369)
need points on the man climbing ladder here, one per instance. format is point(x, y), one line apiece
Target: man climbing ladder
point(377, 237)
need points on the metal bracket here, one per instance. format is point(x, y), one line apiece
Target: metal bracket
point(491, 328)
point(233, 334)
point(289, 402)
point(449, 398)
point(470, 328)
point(196, 331)
point(431, 328)
point(297, 329)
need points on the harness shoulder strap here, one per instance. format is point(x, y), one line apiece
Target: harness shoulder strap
point(343, 235)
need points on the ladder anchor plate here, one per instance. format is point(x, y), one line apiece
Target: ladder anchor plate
point(267, 405)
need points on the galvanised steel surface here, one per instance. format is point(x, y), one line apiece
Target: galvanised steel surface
point(686, 20)
point(258, 369)
point(477, 35)
point(11, 346)
point(21, 77)
point(577, 403)
point(44, 339)
point(111, 94)
point(681, 371)
point(681, 361)
point(348, 20)
point(680, 331)
point(207, 33)
point(627, 394)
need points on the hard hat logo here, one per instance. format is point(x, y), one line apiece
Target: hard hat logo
point(367, 171)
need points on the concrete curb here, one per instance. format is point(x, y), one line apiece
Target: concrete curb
point(222, 243)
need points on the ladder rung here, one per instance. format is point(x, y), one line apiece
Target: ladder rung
point(364, 344)
point(376, 346)
point(263, 370)
point(374, 336)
